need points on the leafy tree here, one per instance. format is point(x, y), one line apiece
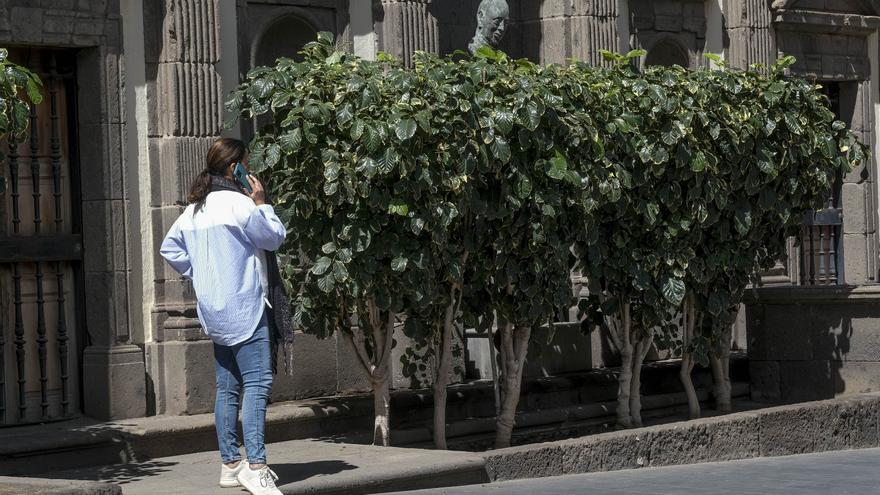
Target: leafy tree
point(362, 195)
point(18, 88)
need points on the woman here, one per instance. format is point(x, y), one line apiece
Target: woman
point(220, 243)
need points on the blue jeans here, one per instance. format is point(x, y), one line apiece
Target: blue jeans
point(243, 367)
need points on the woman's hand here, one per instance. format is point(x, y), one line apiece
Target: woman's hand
point(258, 194)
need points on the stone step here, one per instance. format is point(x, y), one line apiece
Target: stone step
point(546, 401)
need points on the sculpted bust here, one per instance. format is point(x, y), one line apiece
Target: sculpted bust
point(492, 17)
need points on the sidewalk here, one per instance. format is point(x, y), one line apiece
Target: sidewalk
point(304, 466)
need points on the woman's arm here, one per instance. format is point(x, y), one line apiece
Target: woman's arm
point(174, 251)
point(264, 228)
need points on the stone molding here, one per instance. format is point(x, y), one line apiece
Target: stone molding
point(812, 293)
point(825, 22)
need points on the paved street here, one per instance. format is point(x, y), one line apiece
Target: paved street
point(839, 473)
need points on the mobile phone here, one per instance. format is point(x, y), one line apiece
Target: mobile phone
point(241, 175)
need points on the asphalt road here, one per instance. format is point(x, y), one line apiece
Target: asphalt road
point(855, 472)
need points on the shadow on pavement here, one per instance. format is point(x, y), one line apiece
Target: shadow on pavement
point(299, 471)
point(119, 474)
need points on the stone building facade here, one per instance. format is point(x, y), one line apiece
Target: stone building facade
point(115, 335)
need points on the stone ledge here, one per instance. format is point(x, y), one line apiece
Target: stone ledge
point(30, 486)
point(835, 424)
point(812, 294)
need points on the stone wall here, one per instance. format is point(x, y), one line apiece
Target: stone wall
point(810, 343)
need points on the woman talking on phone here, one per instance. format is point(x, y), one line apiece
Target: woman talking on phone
point(220, 243)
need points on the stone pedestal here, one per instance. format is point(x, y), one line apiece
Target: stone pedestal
point(113, 382)
point(181, 375)
point(813, 343)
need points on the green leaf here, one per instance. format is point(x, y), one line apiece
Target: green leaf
point(398, 207)
point(405, 129)
point(699, 162)
point(388, 160)
point(327, 284)
point(331, 171)
point(636, 53)
point(718, 59)
point(674, 291)
point(743, 221)
point(291, 141)
point(372, 139)
point(368, 167)
point(328, 248)
point(501, 150)
point(340, 272)
point(273, 155)
point(529, 116)
point(357, 129)
point(523, 187)
point(558, 167)
point(345, 114)
point(504, 122)
point(399, 263)
point(321, 266)
point(792, 123)
point(33, 90)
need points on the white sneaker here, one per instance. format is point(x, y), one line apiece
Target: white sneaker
point(228, 474)
point(260, 481)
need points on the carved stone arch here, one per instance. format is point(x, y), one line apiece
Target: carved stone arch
point(284, 36)
point(667, 52)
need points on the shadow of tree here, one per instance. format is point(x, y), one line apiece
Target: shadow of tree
point(119, 474)
point(295, 472)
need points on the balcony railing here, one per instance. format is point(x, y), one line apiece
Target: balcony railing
point(814, 256)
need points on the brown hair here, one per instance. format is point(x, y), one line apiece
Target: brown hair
point(221, 154)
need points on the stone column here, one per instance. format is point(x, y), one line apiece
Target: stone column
point(857, 193)
point(594, 27)
point(363, 33)
point(714, 29)
point(750, 31)
point(185, 116)
point(407, 26)
point(113, 367)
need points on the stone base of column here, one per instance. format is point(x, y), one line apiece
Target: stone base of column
point(114, 382)
point(181, 376)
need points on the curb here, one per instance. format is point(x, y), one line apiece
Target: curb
point(836, 424)
point(31, 486)
point(471, 470)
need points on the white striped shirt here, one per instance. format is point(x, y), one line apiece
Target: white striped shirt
point(221, 248)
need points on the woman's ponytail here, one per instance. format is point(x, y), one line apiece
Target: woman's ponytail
point(200, 188)
point(223, 153)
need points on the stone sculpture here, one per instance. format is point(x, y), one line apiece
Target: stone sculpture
point(492, 17)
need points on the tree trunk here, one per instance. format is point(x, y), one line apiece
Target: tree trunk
point(382, 411)
point(623, 340)
point(514, 347)
point(687, 358)
point(377, 366)
point(635, 394)
point(721, 376)
point(441, 380)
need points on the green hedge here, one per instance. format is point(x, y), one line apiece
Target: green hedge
point(491, 179)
